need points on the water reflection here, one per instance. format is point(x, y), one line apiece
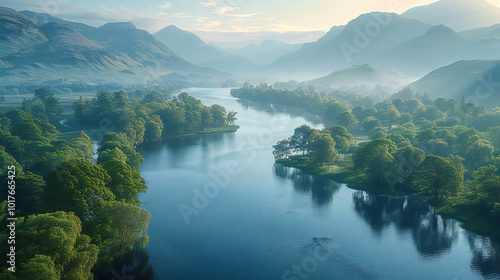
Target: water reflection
point(485, 255)
point(132, 265)
point(291, 111)
point(433, 235)
point(321, 189)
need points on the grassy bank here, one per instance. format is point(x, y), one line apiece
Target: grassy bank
point(213, 130)
point(473, 221)
point(343, 173)
point(340, 172)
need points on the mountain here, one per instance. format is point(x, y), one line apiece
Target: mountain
point(483, 32)
point(478, 80)
point(265, 53)
point(17, 32)
point(193, 49)
point(438, 47)
point(360, 41)
point(360, 75)
point(41, 19)
point(114, 52)
point(457, 14)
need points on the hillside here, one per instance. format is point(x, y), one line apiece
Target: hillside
point(478, 80)
point(360, 75)
point(114, 52)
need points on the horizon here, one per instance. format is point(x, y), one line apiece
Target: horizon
point(225, 23)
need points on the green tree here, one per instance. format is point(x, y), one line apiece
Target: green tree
point(125, 183)
point(322, 147)
point(437, 176)
point(27, 130)
point(300, 138)
point(7, 160)
point(152, 131)
point(53, 109)
point(57, 236)
point(479, 152)
point(376, 159)
point(43, 94)
point(77, 186)
point(282, 149)
point(231, 118)
point(219, 115)
point(79, 109)
point(40, 267)
point(121, 226)
point(343, 139)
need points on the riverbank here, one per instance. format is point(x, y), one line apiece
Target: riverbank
point(71, 129)
point(213, 130)
point(342, 172)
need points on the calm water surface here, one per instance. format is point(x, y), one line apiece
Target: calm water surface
point(262, 221)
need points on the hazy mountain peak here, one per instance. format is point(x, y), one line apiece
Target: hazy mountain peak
point(457, 14)
point(363, 74)
point(440, 30)
point(17, 32)
point(118, 25)
point(172, 27)
point(190, 47)
point(173, 32)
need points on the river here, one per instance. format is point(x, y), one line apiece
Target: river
point(222, 210)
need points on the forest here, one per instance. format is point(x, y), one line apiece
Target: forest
point(80, 210)
point(445, 150)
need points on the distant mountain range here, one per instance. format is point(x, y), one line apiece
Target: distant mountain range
point(407, 43)
point(115, 52)
point(360, 75)
point(477, 80)
point(459, 15)
point(375, 48)
point(265, 53)
point(352, 45)
point(438, 47)
point(193, 49)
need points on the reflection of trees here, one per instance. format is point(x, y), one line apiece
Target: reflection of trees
point(133, 264)
point(432, 234)
point(485, 255)
point(272, 109)
point(321, 189)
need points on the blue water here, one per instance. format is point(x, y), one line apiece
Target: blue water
point(261, 221)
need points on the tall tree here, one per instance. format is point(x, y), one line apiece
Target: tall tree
point(376, 158)
point(437, 176)
point(322, 147)
point(300, 138)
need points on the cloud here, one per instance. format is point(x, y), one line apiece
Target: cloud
point(182, 15)
point(242, 15)
point(224, 10)
point(210, 24)
point(205, 22)
point(210, 3)
point(165, 5)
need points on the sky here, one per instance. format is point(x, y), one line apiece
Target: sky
point(228, 23)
